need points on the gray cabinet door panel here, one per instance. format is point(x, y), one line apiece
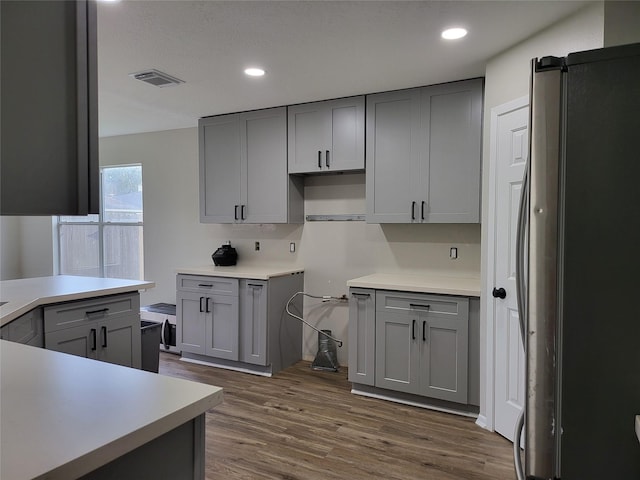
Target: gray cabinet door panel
point(453, 114)
point(444, 367)
point(81, 341)
point(222, 327)
point(119, 342)
point(362, 338)
point(308, 125)
point(190, 322)
point(264, 156)
point(396, 353)
point(220, 184)
point(346, 146)
point(393, 128)
point(253, 322)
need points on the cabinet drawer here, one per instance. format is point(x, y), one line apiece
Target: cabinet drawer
point(387, 301)
point(71, 314)
point(208, 285)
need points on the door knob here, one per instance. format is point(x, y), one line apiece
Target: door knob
point(499, 292)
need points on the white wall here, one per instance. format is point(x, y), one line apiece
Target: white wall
point(26, 244)
point(330, 252)
point(507, 78)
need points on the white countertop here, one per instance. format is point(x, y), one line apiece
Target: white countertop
point(422, 283)
point(252, 271)
point(26, 294)
point(63, 416)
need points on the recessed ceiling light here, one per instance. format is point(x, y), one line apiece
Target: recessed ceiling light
point(454, 33)
point(254, 72)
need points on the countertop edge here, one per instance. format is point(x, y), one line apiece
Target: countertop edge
point(243, 272)
point(26, 305)
point(419, 284)
point(114, 450)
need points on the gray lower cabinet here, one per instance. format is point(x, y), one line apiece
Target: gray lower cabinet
point(326, 136)
point(243, 169)
point(242, 324)
point(27, 329)
point(105, 328)
point(55, 171)
point(412, 343)
point(362, 336)
point(424, 154)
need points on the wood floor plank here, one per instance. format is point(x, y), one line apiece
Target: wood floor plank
point(306, 425)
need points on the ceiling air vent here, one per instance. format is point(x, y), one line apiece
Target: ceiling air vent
point(156, 78)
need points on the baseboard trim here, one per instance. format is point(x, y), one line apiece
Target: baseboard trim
point(227, 366)
point(414, 403)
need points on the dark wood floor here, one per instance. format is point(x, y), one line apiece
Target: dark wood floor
point(306, 425)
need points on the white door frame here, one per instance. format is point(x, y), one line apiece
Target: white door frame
point(488, 419)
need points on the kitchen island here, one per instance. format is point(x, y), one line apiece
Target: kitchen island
point(22, 295)
point(67, 417)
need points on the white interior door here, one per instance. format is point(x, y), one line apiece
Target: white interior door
point(511, 143)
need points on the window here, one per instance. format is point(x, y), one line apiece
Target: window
point(109, 244)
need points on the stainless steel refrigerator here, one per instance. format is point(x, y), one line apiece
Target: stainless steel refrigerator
point(579, 268)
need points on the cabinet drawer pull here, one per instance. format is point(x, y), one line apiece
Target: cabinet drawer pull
point(319, 159)
point(424, 330)
point(205, 285)
point(93, 340)
point(413, 210)
point(422, 210)
point(413, 329)
point(417, 305)
point(103, 334)
point(256, 285)
point(326, 158)
point(358, 294)
point(92, 312)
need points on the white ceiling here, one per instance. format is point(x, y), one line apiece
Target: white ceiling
point(311, 50)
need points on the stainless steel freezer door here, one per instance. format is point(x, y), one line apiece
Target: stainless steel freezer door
point(542, 299)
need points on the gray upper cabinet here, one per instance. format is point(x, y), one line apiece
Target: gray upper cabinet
point(424, 154)
point(49, 107)
point(326, 136)
point(243, 169)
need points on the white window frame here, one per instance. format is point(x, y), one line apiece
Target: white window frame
point(58, 224)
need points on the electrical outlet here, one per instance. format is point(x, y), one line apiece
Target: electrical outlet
point(453, 253)
point(292, 247)
point(257, 246)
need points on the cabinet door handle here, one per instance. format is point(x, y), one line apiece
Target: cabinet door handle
point(319, 159)
point(235, 212)
point(201, 307)
point(413, 329)
point(92, 312)
point(242, 217)
point(424, 330)
point(326, 158)
point(413, 210)
point(422, 210)
point(417, 305)
point(165, 333)
point(93, 340)
point(103, 334)
point(207, 310)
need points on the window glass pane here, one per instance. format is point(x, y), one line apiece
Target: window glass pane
point(122, 194)
point(81, 219)
point(123, 252)
point(80, 250)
